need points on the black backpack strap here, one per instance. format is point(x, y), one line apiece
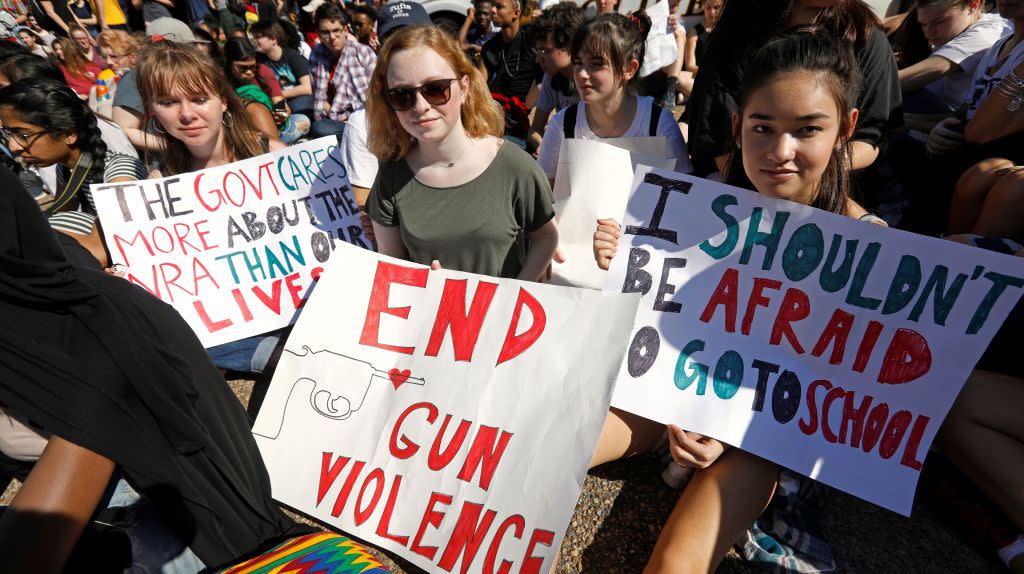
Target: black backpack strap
point(569, 122)
point(655, 117)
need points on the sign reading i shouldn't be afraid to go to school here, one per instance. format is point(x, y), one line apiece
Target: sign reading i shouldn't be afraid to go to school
point(446, 416)
point(235, 248)
point(831, 346)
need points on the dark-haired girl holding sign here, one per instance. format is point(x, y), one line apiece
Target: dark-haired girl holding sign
point(791, 136)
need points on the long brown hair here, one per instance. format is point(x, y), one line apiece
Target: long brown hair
point(480, 115)
point(166, 66)
point(73, 59)
point(805, 49)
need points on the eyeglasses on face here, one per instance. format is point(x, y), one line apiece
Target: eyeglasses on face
point(21, 137)
point(329, 33)
point(436, 92)
point(245, 68)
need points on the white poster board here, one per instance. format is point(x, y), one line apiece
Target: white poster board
point(831, 346)
point(236, 248)
point(445, 416)
point(593, 181)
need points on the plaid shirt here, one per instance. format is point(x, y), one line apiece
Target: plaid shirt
point(351, 79)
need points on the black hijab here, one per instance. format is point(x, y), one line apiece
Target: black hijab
point(101, 363)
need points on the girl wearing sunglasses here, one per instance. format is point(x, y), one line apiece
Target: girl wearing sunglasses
point(256, 84)
point(449, 191)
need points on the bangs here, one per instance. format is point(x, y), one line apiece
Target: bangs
point(597, 45)
point(165, 79)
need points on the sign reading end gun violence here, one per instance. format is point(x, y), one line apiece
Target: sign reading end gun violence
point(235, 248)
point(832, 346)
point(445, 416)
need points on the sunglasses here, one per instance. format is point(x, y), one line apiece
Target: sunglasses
point(437, 93)
point(242, 69)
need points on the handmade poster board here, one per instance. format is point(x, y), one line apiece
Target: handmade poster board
point(593, 182)
point(445, 416)
point(832, 346)
point(236, 248)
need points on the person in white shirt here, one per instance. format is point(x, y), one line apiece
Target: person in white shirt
point(959, 33)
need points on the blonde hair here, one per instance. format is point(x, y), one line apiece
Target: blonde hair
point(166, 66)
point(119, 41)
point(480, 114)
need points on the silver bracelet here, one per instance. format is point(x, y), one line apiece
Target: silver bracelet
point(1011, 87)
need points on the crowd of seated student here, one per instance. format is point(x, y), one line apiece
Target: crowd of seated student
point(928, 110)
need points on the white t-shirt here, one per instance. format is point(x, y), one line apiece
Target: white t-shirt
point(553, 99)
point(360, 163)
point(966, 51)
point(552, 143)
point(985, 79)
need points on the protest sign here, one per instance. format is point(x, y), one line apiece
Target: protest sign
point(831, 346)
point(235, 248)
point(445, 416)
point(593, 182)
point(660, 48)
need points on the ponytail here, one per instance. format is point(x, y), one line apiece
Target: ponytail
point(618, 38)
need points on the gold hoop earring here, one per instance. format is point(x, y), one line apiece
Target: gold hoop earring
point(159, 128)
point(228, 121)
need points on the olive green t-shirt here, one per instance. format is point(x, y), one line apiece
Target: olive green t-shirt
point(470, 227)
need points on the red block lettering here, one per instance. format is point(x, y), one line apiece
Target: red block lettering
point(516, 345)
point(272, 301)
point(437, 459)
point(909, 457)
point(211, 326)
point(363, 513)
point(468, 534)
point(346, 489)
point(795, 307)
point(388, 273)
point(451, 313)
point(757, 299)
point(725, 296)
point(499, 534)
point(907, 358)
point(433, 518)
point(329, 473)
point(485, 450)
point(409, 448)
point(389, 509)
point(836, 332)
point(867, 345)
point(531, 563)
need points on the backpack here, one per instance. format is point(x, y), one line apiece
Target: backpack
point(569, 121)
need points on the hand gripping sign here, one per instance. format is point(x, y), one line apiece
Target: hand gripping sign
point(234, 248)
point(831, 346)
point(471, 452)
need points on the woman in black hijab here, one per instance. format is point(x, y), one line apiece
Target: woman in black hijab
point(122, 388)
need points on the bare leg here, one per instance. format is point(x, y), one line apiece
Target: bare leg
point(684, 83)
point(1002, 214)
point(625, 434)
point(984, 436)
point(718, 505)
point(970, 193)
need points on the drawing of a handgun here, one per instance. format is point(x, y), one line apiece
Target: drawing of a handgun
point(339, 386)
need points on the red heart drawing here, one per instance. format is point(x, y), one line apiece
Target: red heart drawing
point(399, 377)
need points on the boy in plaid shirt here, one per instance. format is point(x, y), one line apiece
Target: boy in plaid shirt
point(340, 69)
